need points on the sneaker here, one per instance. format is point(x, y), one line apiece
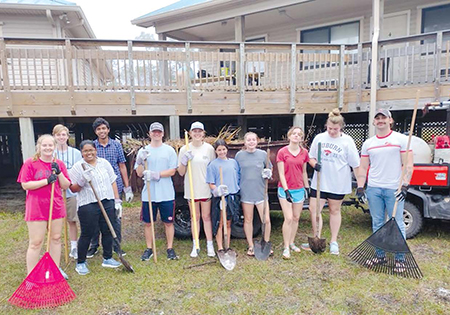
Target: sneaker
point(194, 252)
point(63, 274)
point(74, 253)
point(122, 252)
point(110, 263)
point(82, 269)
point(91, 252)
point(210, 251)
point(286, 253)
point(148, 253)
point(334, 248)
point(171, 254)
point(305, 246)
point(294, 248)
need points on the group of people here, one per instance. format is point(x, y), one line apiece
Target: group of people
point(241, 181)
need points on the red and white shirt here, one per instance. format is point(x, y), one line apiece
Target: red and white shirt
point(385, 159)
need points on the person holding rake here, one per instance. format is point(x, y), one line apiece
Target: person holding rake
point(291, 162)
point(254, 172)
point(200, 154)
point(36, 177)
point(339, 154)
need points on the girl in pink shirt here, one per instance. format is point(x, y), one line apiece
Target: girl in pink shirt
point(36, 176)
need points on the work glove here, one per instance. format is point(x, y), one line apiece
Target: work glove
point(86, 177)
point(51, 179)
point(266, 173)
point(118, 207)
point(55, 168)
point(128, 194)
point(288, 196)
point(402, 193)
point(186, 157)
point(361, 195)
point(221, 190)
point(142, 156)
point(317, 167)
point(151, 176)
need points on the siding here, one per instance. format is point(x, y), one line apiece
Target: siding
point(26, 26)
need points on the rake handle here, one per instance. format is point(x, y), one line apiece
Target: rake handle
point(50, 215)
point(191, 186)
point(150, 210)
point(66, 237)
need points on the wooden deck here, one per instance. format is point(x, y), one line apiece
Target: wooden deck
point(87, 78)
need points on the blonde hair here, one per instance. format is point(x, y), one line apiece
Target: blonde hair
point(58, 128)
point(335, 117)
point(37, 155)
point(291, 131)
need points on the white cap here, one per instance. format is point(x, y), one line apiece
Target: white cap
point(197, 125)
point(156, 126)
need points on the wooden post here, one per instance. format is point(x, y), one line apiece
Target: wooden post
point(241, 76)
point(6, 85)
point(27, 137)
point(70, 86)
point(299, 121)
point(293, 77)
point(374, 65)
point(360, 68)
point(437, 56)
point(131, 67)
point(341, 88)
point(163, 64)
point(242, 122)
point(187, 77)
point(174, 127)
point(239, 29)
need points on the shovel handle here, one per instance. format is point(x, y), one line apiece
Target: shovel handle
point(224, 213)
point(150, 211)
point(191, 186)
point(319, 159)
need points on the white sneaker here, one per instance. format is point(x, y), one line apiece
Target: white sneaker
point(210, 250)
point(194, 252)
point(74, 253)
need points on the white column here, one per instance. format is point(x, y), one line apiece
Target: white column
point(174, 127)
point(299, 121)
point(374, 65)
point(27, 137)
point(239, 29)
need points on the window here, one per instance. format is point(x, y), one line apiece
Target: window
point(347, 33)
point(436, 19)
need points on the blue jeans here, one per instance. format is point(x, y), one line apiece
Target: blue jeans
point(381, 201)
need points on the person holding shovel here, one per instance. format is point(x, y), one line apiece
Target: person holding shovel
point(385, 153)
point(102, 177)
point(36, 177)
point(338, 156)
point(161, 161)
point(291, 162)
point(229, 188)
point(69, 156)
point(254, 172)
point(200, 154)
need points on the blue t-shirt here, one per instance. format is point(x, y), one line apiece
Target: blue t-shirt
point(161, 158)
point(69, 157)
point(230, 171)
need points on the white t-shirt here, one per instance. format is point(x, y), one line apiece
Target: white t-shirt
point(69, 157)
point(385, 159)
point(338, 155)
point(202, 156)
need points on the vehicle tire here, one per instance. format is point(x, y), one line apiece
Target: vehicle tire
point(182, 219)
point(413, 219)
point(237, 228)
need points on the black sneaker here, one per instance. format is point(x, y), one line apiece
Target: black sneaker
point(171, 254)
point(117, 252)
point(148, 253)
point(91, 252)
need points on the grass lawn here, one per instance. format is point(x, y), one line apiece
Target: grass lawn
point(306, 284)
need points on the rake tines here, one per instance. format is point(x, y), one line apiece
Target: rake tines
point(386, 251)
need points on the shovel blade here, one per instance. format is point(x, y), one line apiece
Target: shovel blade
point(227, 258)
point(317, 245)
point(262, 249)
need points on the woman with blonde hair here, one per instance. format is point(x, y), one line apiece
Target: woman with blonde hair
point(36, 177)
point(291, 162)
point(254, 172)
point(338, 155)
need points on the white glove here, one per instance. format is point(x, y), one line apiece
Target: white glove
point(266, 173)
point(142, 156)
point(128, 194)
point(86, 177)
point(118, 207)
point(221, 190)
point(151, 175)
point(186, 157)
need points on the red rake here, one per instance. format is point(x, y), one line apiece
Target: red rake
point(45, 286)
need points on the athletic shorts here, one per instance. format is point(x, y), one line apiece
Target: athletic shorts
point(253, 202)
point(200, 200)
point(298, 195)
point(166, 211)
point(71, 209)
point(326, 195)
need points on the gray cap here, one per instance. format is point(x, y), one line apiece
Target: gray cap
point(197, 125)
point(156, 126)
point(383, 112)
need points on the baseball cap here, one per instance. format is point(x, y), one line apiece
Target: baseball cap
point(156, 126)
point(383, 112)
point(197, 125)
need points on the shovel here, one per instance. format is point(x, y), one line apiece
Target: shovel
point(262, 248)
point(227, 257)
point(317, 244)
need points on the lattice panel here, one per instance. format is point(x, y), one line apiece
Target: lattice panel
point(433, 128)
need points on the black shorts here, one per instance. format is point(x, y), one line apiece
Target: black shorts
point(326, 195)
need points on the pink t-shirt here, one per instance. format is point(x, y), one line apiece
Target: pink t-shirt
point(37, 205)
point(293, 167)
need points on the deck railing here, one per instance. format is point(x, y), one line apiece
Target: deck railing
point(156, 66)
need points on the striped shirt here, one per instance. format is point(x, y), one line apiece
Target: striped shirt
point(102, 179)
point(113, 153)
